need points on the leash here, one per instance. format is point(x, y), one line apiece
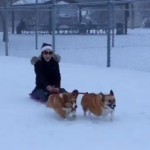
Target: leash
point(81, 93)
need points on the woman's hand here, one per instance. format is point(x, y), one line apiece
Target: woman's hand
point(49, 88)
point(55, 89)
point(52, 89)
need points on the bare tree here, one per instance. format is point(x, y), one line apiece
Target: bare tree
point(2, 15)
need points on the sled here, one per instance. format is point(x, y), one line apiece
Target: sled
point(36, 99)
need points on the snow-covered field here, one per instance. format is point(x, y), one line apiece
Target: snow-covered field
point(130, 51)
point(27, 125)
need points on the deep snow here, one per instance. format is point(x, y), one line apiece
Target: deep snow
point(27, 125)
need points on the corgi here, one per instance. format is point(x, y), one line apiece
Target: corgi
point(99, 104)
point(64, 103)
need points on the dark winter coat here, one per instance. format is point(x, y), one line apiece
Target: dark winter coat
point(47, 73)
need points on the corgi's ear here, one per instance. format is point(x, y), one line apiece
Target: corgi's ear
point(111, 92)
point(101, 93)
point(65, 98)
point(75, 92)
point(103, 96)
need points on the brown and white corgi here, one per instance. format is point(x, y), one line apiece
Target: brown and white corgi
point(99, 104)
point(63, 104)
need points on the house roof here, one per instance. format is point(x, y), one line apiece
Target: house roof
point(82, 3)
point(28, 2)
point(86, 1)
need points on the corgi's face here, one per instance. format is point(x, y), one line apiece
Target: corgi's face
point(109, 100)
point(70, 99)
point(73, 99)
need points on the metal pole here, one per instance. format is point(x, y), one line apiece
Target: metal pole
point(132, 16)
point(6, 28)
point(13, 21)
point(53, 24)
point(108, 34)
point(36, 27)
point(113, 24)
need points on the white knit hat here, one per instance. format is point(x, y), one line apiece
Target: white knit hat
point(46, 46)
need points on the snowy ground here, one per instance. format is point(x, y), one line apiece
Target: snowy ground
point(130, 51)
point(27, 125)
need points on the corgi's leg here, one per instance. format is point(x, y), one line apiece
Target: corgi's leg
point(89, 113)
point(74, 107)
point(73, 113)
point(61, 113)
point(67, 111)
point(112, 115)
point(84, 110)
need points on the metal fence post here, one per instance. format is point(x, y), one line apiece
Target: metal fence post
point(53, 24)
point(113, 24)
point(108, 34)
point(36, 27)
point(6, 28)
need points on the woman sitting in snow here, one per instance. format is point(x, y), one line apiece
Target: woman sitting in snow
point(48, 78)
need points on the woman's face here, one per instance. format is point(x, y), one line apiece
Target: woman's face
point(47, 54)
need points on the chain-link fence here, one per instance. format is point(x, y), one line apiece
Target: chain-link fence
point(107, 33)
point(133, 50)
